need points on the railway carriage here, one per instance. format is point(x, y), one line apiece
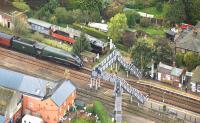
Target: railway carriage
point(5, 39)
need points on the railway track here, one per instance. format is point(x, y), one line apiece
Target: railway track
point(84, 74)
point(154, 93)
point(126, 106)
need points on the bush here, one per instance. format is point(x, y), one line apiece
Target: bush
point(159, 7)
point(21, 5)
point(132, 18)
point(91, 31)
point(100, 110)
point(121, 47)
point(145, 22)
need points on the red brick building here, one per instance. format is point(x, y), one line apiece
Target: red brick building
point(41, 98)
point(52, 109)
point(169, 74)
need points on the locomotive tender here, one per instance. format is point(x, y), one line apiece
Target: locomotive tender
point(40, 50)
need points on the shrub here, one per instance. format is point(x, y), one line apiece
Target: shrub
point(100, 110)
point(91, 31)
point(159, 7)
point(144, 22)
point(132, 18)
point(21, 5)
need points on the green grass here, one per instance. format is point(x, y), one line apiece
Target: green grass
point(82, 120)
point(154, 31)
point(58, 45)
point(21, 5)
point(157, 14)
point(91, 31)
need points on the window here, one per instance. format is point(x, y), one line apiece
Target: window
point(30, 105)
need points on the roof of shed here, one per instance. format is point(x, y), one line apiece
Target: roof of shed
point(23, 83)
point(190, 41)
point(39, 22)
point(63, 92)
point(5, 36)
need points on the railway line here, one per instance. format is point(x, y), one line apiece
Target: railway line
point(84, 74)
point(126, 106)
point(154, 93)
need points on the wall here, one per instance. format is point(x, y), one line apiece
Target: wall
point(45, 109)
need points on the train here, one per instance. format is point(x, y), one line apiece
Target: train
point(64, 35)
point(40, 50)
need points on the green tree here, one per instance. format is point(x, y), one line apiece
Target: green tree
point(176, 13)
point(132, 18)
point(163, 52)
point(159, 7)
point(142, 54)
point(117, 26)
point(179, 59)
point(192, 8)
point(20, 27)
point(81, 44)
point(191, 60)
point(93, 5)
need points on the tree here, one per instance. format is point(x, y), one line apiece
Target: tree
point(93, 5)
point(159, 6)
point(20, 26)
point(117, 26)
point(142, 54)
point(81, 44)
point(176, 13)
point(111, 10)
point(192, 10)
point(179, 59)
point(163, 52)
point(191, 60)
point(132, 18)
point(63, 16)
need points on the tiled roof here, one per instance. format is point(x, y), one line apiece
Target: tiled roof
point(190, 41)
point(176, 71)
point(166, 69)
point(163, 68)
point(23, 83)
point(63, 92)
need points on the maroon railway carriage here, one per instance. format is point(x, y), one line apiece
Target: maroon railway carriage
point(5, 39)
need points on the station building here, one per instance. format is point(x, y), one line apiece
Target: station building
point(45, 99)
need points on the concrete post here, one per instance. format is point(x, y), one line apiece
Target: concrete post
point(96, 84)
point(131, 98)
point(152, 69)
point(116, 67)
point(91, 82)
point(127, 73)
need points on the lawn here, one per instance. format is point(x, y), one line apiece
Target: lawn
point(157, 14)
point(153, 31)
point(82, 120)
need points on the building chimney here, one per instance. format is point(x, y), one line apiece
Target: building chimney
point(174, 64)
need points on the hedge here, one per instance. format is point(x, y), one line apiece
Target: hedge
point(101, 112)
point(90, 31)
point(121, 47)
point(21, 5)
point(82, 120)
